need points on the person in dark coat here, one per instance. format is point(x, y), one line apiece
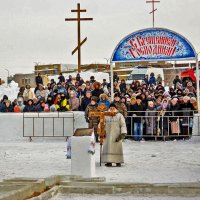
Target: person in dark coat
point(40, 107)
point(7, 107)
point(92, 121)
point(49, 100)
point(1, 107)
point(38, 79)
point(78, 77)
point(174, 116)
point(105, 83)
point(92, 79)
point(187, 116)
point(176, 80)
point(86, 100)
point(146, 79)
point(144, 100)
point(121, 107)
point(52, 83)
point(160, 87)
point(172, 92)
point(69, 80)
point(122, 87)
point(115, 77)
point(61, 78)
point(29, 107)
point(21, 91)
point(151, 119)
point(138, 113)
point(97, 90)
point(163, 119)
point(5, 98)
point(152, 79)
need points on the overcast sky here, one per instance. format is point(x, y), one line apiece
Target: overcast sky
point(35, 30)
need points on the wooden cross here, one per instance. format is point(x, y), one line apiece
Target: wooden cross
point(153, 9)
point(79, 19)
point(101, 130)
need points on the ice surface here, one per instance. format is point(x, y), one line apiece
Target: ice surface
point(148, 162)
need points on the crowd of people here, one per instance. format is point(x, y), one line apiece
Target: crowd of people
point(146, 105)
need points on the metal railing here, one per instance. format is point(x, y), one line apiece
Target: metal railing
point(170, 124)
point(48, 124)
point(162, 124)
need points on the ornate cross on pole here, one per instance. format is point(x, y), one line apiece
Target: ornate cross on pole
point(153, 9)
point(79, 19)
point(101, 130)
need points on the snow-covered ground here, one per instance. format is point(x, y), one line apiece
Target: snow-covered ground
point(151, 162)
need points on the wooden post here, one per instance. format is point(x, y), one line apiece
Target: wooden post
point(79, 19)
point(153, 9)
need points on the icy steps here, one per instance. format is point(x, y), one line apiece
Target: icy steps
point(45, 189)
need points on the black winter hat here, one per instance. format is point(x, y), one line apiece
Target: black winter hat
point(139, 97)
point(5, 97)
point(179, 90)
point(112, 105)
point(55, 91)
point(117, 94)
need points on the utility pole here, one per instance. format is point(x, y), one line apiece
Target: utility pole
point(153, 9)
point(7, 75)
point(79, 19)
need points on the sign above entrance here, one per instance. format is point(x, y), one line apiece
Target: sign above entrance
point(154, 44)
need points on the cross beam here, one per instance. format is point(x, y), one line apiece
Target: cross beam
point(76, 49)
point(153, 9)
point(79, 19)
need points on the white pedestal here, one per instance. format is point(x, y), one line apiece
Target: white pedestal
point(82, 162)
point(196, 128)
point(196, 125)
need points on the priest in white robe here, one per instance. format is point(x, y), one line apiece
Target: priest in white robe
point(115, 132)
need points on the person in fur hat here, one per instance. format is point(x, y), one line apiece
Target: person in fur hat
point(121, 107)
point(190, 87)
point(104, 100)
point(73, 101)
point(97, 89)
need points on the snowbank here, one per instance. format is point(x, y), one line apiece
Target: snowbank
point(99, 76)
point(11, 90)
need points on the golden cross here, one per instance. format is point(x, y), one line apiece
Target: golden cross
point(79, 19)
point(101, 130)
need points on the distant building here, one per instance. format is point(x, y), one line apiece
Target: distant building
point(24, 79)
point(52, 69)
